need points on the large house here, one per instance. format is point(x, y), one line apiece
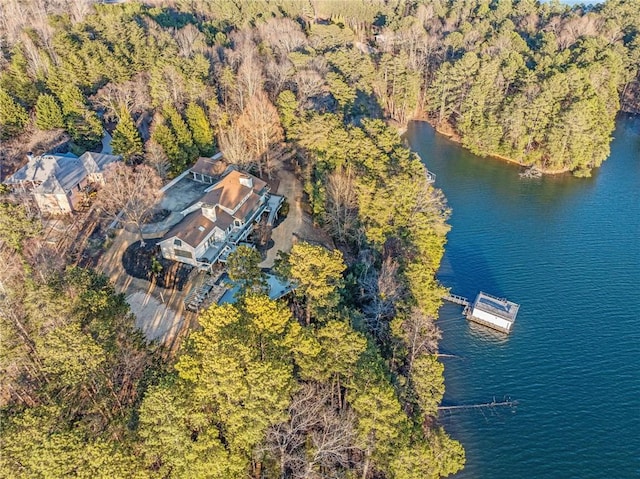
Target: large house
point(58, 182)
point(219, 220)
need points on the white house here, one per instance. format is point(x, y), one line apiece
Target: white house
point(217, 222)
point(496, 313)
point(58, 182)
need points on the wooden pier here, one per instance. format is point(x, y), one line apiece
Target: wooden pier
point(456, 299)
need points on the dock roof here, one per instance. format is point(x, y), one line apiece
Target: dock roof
point(497, 306)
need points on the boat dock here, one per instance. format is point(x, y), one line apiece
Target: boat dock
point(456, 299)
point(491, 311)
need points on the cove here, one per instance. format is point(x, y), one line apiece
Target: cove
point(567, 250)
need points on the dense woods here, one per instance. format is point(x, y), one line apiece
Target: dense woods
point(341, 379)
point(536, 83)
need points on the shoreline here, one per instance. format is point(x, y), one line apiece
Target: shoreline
point(446, 130)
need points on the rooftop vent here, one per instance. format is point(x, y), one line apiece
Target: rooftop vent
point(246, 181)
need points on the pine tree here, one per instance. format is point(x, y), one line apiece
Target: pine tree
point(200, 129)
point(85, 129)
point(48, 113)
point(163, 136)
point(126, 138)
point(16, 79)
point(13, 117)
point(182, 133)
point(72, 100)
point(287, 107)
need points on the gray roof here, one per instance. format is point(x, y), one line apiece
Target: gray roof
point(60, 173)
point(497, 306)
point(96, 162)
point(38, 169)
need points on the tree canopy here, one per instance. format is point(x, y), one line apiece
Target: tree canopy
point(341, 378)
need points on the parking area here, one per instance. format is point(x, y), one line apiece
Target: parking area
point(182, 194)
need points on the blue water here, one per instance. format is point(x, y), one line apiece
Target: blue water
point(567, 250)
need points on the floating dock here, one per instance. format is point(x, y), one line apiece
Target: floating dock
point(491, 311)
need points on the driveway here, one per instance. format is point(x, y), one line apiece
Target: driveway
point(159, 312)
point(106, 143)
point(283, 235)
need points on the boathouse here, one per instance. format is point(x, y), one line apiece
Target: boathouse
point(496, 313)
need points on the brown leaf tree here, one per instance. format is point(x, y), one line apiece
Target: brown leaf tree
point(129, 194)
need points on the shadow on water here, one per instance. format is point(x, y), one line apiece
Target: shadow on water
point(458, 168)
point(468, 272)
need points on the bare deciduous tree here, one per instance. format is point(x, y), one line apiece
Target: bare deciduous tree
point(250, 79)
point(157, 159)
point(261, 125)
point(421, 335)
point(284, 35)
point(232, 142)
point(381, 290)
point(189, 40)
point(278, 74)
point(316, 439)
point(341, 215)
point(132, 94)
point(129, 193)
point(309, 83)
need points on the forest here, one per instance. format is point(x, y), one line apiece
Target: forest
point(536, 83)
point(342, 379)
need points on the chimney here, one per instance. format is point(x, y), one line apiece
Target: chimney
point(246, 181)
point(30, 156)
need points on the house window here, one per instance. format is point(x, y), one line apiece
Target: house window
point(177, 242)
point(182, 253)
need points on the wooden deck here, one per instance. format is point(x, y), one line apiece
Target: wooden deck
point(457, 299)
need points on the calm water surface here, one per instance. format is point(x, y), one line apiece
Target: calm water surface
point(567, 250)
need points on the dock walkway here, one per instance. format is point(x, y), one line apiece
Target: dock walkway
point(457, 299)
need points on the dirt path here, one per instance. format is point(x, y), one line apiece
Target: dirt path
point(298, 225)
point(283, 235)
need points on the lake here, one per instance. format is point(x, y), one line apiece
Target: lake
point(567, 250)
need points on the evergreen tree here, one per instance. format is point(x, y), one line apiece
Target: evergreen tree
point(317, 274)
point(13, 116)
point(16, 80)
point(287, 108)
point(164, 136)
point(244, 270)
point(126, 138)
point(200, 129)
point(48, 113)
point(182, 134)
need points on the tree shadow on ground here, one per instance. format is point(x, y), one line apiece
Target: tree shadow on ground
point(138, 262)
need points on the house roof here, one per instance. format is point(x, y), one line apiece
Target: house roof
point(223, 219)
point(38, 168)
point(209, 166)
point(229, 191)
point(248, 207)
point(96, 162)
point(60, 173)
point(193, 229)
